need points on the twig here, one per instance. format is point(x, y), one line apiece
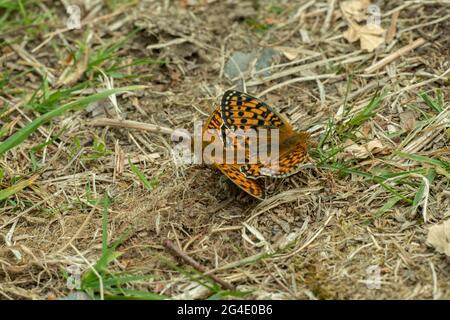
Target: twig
point(166, 44)
point(287, 37)
point(436, 292)
point(395, 55)
point(180, 40)
point(105, 122)
point(21, 214)
point(177, 252)
point(329, 16)
point(390, 34)
point(419, 26)
point(297, 69)
point(300, 79)
point(297, 15)
point(32, 61)
point(50, 35)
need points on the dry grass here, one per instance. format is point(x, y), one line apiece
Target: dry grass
point(316, 234)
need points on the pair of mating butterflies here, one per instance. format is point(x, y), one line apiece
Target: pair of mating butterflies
point(240, 111)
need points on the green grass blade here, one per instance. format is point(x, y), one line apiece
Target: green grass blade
point(149, 185)
point(420, 191)
point(366, 113)
point(433, 104)
point(386, 207)
point(128, 294)
point(6, 193)
point(25, 132)
point(378, 179)
point(436, 162)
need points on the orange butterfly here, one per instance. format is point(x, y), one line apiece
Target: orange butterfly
point(240, 111)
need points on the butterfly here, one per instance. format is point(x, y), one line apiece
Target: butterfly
point(240, 111)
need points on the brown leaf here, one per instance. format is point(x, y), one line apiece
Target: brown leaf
point(290, 53)
point(366, 129)
point(370, 36)
point(408, 120)
point(73, 73)
point(362, 151)
point(439, 237)
point(351, 34)
point(355, 8)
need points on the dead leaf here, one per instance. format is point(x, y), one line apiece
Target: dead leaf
point(100, 109)
point(362, 151)
point(366, 130)
point(407, 120)
point(356, 9)
point(73, 73)
point(370, 36)
point(439, 237)
point(351, 34)
point(290, 53)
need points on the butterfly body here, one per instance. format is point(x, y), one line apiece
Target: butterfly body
point(240, 112)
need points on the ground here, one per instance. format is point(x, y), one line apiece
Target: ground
point(80, 199)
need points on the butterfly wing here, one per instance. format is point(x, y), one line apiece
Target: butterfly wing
point(214, 121)
point(293, 153)
point(232, 171)
point(285, 167)
point(242, 111)
point(252, 187)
